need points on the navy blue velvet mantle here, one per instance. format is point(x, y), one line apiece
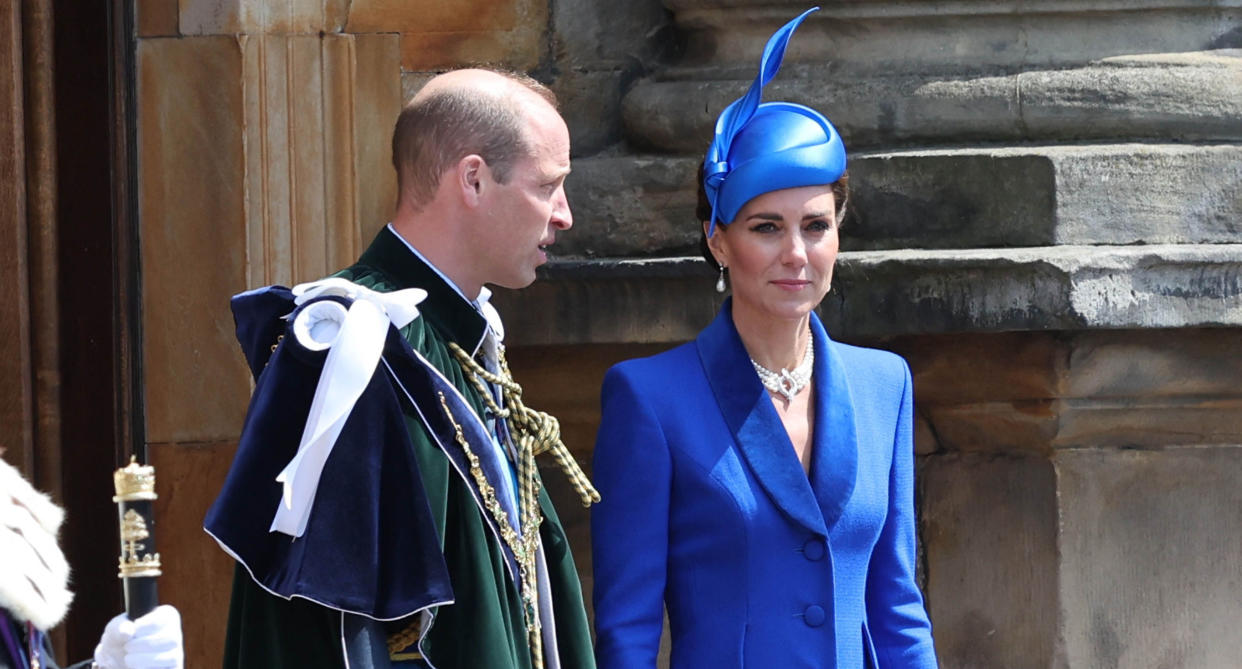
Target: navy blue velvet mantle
point(371, 545)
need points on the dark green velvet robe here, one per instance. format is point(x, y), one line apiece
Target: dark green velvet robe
point(484, 628)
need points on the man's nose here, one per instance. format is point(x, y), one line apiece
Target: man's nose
point(562, 218)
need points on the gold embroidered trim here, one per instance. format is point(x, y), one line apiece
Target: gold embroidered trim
point(524, 547)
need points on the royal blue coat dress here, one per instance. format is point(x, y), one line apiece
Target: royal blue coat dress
point(707, 510)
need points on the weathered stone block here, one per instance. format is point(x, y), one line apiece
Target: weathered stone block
point(879, 293)
point(1047, 195)
point(590, 102)
point(519, 50)
point(635, 301)
point(1091, 559)
point(989, 532)
point(1191, 96)
point(1036, 392)
point(631, 206)
point(945, 198)
point(975, 367)
point(438, 35)
point(1183, 97)
point(433, 16)
point(232, 17)
point(609, 35)
point(156, 18)
point(303, 137)
point(951, 199)
point(1107, 195)
point(362, 98)
point(970, 37)
point(1152, 389)
point(192, 204)
point(1016, 426)
point(197, 573)
point(985, 392)
point(1156, 363)
point(890, 293)
point(317, 122)
point(1150, 572)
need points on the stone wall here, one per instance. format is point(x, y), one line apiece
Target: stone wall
point(1047, 223)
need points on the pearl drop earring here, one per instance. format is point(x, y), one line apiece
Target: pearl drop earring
point(720, 282)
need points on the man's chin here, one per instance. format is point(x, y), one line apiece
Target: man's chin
point(517, 283)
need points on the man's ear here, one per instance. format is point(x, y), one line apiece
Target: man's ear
point(471, 177)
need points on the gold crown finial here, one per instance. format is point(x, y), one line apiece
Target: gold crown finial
point(133, 563)
point(134, 482)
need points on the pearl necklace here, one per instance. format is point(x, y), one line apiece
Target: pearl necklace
point(787, 383)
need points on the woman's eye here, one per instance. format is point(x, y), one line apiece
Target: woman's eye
point(764, 227)
point(818, 225)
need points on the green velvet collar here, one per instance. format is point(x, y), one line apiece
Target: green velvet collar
point(445, 308)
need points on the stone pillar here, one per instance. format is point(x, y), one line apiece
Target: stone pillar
point(1047, 223)
point(263, 133)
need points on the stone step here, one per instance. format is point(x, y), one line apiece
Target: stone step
point(945, 198)
point(1047, 195)
point(888, 293)
point(1181, 96)
point(881, 293)
point(863, 37)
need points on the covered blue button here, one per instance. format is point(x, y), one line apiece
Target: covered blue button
point(814, 549)
point(814, 615)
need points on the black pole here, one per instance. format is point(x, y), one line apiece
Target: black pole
point(139, 564)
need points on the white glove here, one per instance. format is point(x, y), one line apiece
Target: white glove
point(110, 653)
point(150, 642)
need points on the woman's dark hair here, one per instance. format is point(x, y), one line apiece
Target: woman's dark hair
point(703, 211)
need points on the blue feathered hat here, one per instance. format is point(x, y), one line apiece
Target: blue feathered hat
point(760, 148)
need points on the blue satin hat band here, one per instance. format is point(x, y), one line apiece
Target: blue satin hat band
point(759, 148)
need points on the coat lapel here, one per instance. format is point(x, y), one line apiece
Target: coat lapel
point(834, 460)
point(754, 423)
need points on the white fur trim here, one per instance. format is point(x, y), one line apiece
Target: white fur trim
point(34, 580)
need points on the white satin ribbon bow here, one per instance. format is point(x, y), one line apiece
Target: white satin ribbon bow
point(354, 338)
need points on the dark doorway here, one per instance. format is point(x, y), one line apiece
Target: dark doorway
point(96, 257)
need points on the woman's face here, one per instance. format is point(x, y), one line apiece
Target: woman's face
point(780, 251)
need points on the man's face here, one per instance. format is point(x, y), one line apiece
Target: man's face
point(526, 212)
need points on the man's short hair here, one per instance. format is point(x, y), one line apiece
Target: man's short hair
point(435, 131)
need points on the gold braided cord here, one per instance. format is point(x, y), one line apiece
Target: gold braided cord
point(532, 429)
point(533, 432)
point(525, 547)
point(407, 637)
